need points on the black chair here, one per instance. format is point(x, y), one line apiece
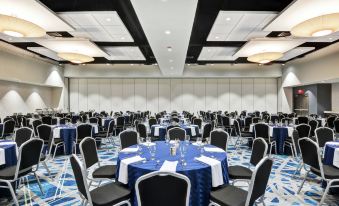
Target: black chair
point(274, 118)
point(259, 151)
point(247, 123)
point(128, 138)
point(176, 133)
point(323, 135)
point(108, 194)
point(304, 130)
point(151, 122)
point(93, 120)
point(241, 135)
point(8, 128)
point(35, 124)
point(262, 130)
point(287, 120)
point(256, 120)
point(336, 125)
point(46, 120)
point(314, 125)
point(226, 123)
point(22, 135)
point(28, 157)
point(198, 122)
point(231, 195)
point(120, 125)
point(142, 130)
point(82, 131)
point(292, 143)
point(302, 120)
point(219, 138)
point(64, 121)
point(205, 132)
point(89, 154)
point(330, 121)
point(106, 135)
point(163, 188)
point(310, 153)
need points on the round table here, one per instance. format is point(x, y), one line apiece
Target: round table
point(331, 157)
point(163, 130)
point(8, 157)
point(198, 173)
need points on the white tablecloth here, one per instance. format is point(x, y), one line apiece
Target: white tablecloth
point(217, 177)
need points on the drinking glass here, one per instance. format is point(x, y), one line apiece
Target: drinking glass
point(183, 150)
point(199, 141)
point(152, 150)
point(187, 139)
point(148, 140)
point(167, 139)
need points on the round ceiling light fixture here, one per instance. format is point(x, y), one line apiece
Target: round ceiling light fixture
point(75, 57)
point(17, 27)
point(317, 26)
point(264, 58)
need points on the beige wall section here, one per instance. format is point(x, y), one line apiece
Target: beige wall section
point(335, 97)
point(318, 67)
point(27, 80)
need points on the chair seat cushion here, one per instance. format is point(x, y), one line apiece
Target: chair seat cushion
point(330, 172)
point(106, 171)
point(109, 194)
point(229, 196)
point(9, 172)
point(239, 172)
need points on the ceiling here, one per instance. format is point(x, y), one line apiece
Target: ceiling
point(169, 33)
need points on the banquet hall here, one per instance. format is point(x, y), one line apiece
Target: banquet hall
point(169, 102)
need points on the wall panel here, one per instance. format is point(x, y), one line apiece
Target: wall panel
point(128, 94)
point(74, 95)
point(199, 92)
point(259, 90)
point(247, 94)
point(176, 94)
point(164, 94)
point(83, 95)
point(188, 97)
point(105, 95)
point(140, 93)
point(235, 95)
point(152, 95)
point(224, 94)
point(116, 100)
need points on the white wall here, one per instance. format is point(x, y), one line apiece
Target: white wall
point(16, 97)
point(174, 94)
point(335, 97)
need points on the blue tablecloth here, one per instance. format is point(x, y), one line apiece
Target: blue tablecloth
point(163, 130)
point(328, 160)
point(106, 123)
point(198, 173)
point(10, 160)
point(68, 135)
point(279, 135)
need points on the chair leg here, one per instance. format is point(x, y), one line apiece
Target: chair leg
point(45, 166)
point(38, 180)
point(12, 193)
point(302, 184)
point(325, 192)
point(300, 166)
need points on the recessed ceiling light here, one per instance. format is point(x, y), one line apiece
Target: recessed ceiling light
point(217, 37)
point(264, 58)
point(330, 38)
point(167, 32)
point(75, 57)
point(122, 38)
point(108, 64)
point(171, 60)
point(188, 64)
point(209, 50)
point(172, 68)
point(10, 38)
point(228, 19)
point(155, 64)
point(169, 49)
point(212, 64)
point(108, 19)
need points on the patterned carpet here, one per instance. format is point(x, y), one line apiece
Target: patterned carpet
point(281, 188)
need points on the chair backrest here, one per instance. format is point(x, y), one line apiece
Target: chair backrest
point(206, 130)
point(237, 129)
point(152, 121)
point(176, 132)
point(261, 130)
point(259, 150)
point(248, 121)
point(44, 132)
point(46, 120)
point(287, 120)
point(219, 138)
point(110, 127)
point(93, 120)
point(323, 135)
point(84, 130)
point(64, 120)
point(225, 121)
point(255, 120)
point(22, 135)
point(314, 125)
point(79, 175)
point(304, 130)
point(35, 124)
point(120, 121)
point(336, 125)
point(163, 188)
point(309, 152)
point(8, 127)
point(302, 120)
point(259, 180)
point(128, 138)
point(88, 150)
point(142, 130)
point(274, 118)
point(330, 121)
point(198, 122)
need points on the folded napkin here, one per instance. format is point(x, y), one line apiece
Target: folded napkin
point(156, 131)
point(129, 150)
point(332, 143)
point(336, 158)
point(56, 132)
point(123, 170)
point(172, 142)
point(2, 157)
point(217, 177)
point(148, 144)
point(196, 144)
point(193, 131)
point(169, 166)
point(103, 122)
point(213, 149)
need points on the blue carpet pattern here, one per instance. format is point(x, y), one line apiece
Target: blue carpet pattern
point(60, 189)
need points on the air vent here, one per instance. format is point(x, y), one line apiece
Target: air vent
point(279, 34)
point(59, 34)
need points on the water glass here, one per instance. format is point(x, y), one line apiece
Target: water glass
point(167, 139)
point(187, 139)
point(148, 140)
point(183, 151)
point(152, 150)
point(199, 141)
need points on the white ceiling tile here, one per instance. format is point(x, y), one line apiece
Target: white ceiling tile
point(267, 45)
point(74, 45)
point(46, 52)
point(239, 25)
point(217, 54)
point(295, 52)
point(83, 19)
point(108, 18)
point(123, 53)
